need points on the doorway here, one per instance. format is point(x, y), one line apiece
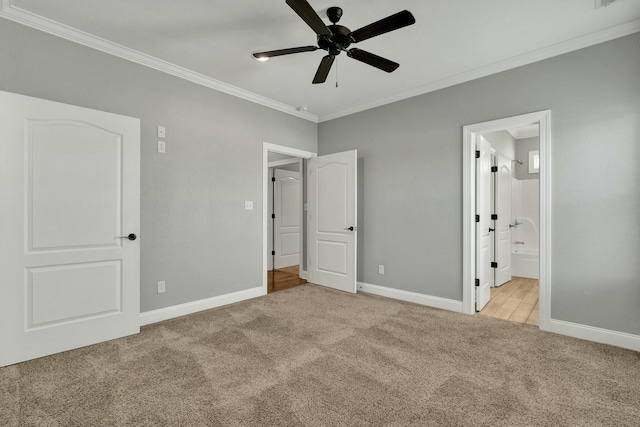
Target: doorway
point(278, 157)
point(514, 222)
point(473, 135)
point(285, 225)
point(331, 234)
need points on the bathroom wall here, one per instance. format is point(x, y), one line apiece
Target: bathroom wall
point(503, 143)
point(523, 146)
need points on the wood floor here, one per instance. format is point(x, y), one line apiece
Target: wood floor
point(284, 278)
point(516, 300)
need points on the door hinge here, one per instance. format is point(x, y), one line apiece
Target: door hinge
point(477, 218)
point(477, 154)
point(273, 179)
point(494, 265)
point(273, 216)
point(477, 282)
point(494, 169)
point(494, 217)
point(273, 252)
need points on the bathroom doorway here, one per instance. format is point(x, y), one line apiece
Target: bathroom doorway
point(514, 224)
point(495, 267)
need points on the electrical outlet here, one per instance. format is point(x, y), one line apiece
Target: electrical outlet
point(248, 205)
point(161, 147)
point(381, 269)
point(161, 287)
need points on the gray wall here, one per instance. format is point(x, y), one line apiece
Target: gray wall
point(503, 143)
point(523, 146)
point(411, 153)
point(195, 233)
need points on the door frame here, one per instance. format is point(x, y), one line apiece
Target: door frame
point(271, 169)
point(470, 133)
point(280, 149)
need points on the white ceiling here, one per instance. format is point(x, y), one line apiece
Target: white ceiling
point(211, 41)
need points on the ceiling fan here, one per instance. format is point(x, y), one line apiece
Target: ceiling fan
point(337, 38)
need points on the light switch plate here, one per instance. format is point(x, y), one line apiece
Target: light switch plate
point(161, 287)
point(161, 132)
point(161, 147)
point(248, 205)
point(381, 269)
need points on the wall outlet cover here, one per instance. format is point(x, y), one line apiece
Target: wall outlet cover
point(161, 287)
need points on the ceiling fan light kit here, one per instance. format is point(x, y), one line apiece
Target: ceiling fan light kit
point(337, 38)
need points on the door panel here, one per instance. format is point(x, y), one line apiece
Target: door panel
point(503, 230)
point(91, 163)
point(70, 184)
point(288, 215)
point(483, 236)
point(69, 292)
point(332, 212)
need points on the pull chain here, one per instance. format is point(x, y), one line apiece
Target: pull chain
point(336, 71)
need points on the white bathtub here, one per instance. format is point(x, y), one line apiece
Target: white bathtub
point(525, 263)
point(525, 258)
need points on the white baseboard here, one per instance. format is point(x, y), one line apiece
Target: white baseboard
point(591, 333)
point(153, 316)
point(422, 299)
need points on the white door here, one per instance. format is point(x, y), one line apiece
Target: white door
point(332, 220)
point(483, 235)
point(287, 207)
point(503, 230)
point(69, 188)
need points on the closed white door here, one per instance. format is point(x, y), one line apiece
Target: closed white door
point(69, 188)
point(483, 235)
point(287, 209)
point(503, 230)
point(332, 220)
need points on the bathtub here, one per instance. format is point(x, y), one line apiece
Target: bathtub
point(525, 258)
point(525, 263)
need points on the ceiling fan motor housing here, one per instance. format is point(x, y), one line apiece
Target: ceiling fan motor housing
point(339, 39)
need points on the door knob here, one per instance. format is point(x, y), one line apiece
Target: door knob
point(130, 237)
point(350, 228)
point(491, 229)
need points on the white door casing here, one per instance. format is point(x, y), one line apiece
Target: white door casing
point(502, 224)
point(287, 207)
point(483, 235)
point(70, 188)
point(332, 220)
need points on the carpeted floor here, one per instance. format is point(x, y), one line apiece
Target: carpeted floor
point(309, 356)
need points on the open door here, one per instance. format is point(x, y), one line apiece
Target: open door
point(332, 197)
point(503, 223)
point(483, 230)
point(69, 253)
point(286, 224)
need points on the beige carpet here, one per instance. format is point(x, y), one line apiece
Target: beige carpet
point(309, 356)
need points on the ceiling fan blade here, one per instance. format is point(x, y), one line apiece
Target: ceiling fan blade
point(308, 15)
point(280, 52)
point(323, 69)
point(390, 23)
point(373, 60)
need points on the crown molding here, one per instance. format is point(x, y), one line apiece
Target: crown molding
point(21, 16)
point(497, 67)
